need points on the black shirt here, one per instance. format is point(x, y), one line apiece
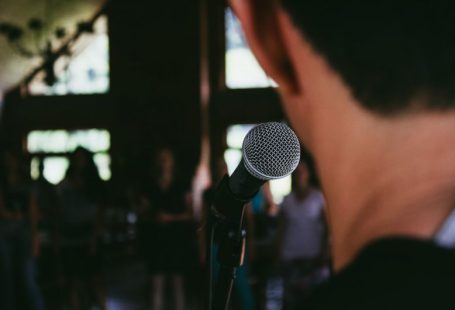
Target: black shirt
point(170, 200)
point(392, 274)
point(17, 198)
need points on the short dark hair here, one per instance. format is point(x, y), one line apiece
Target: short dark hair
point(395, 56)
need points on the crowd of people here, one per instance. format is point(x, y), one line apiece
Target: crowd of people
point(63, 222)
point(52, 237)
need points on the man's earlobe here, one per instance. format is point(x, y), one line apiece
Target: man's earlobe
point(262, 24)
point(289, 83)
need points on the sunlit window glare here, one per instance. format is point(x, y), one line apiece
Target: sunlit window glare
point(62, 141)
point(242, 68)
point(49, 142)
point(55, 169)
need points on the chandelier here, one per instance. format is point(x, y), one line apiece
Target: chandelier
point(34, 41)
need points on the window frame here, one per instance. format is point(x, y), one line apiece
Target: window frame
point(229, 106)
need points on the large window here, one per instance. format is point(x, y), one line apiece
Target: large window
point(53, 146)
point(233, 155)
point(85, 71)
point(242, 68)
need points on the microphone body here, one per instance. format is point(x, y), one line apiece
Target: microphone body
point(243, 185)
point(233, 192)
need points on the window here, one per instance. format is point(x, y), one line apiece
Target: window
point(242, 68)
point(53, 147)
point(86, 71)
point(233, 155)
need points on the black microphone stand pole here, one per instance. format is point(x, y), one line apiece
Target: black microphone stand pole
point(231, 241)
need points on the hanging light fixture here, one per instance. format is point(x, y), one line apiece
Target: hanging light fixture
point(50, 49)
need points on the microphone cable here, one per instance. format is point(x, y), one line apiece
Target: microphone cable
point(210, 242)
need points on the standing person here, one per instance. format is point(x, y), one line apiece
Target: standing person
point(168, 229)
point(19, 244)
point(369, 88)
point(264, 210)
point(79, 232)
point(47, 202)
point(302, 238)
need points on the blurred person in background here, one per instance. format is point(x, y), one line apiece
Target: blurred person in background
point(242, 285)
point(302, 238)
point(165, 230)
point(264, 218)
point(264, 210)
point(80, 221)
point(19, 243)
point(48, 206)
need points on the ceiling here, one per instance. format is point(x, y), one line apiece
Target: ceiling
point(56, 13)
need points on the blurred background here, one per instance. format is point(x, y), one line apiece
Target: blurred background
point(117, 120)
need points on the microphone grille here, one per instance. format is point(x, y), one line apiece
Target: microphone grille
point(271, 151)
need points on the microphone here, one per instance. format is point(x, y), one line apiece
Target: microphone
point(270, 151)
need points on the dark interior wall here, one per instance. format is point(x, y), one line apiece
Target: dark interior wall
point(155, 76)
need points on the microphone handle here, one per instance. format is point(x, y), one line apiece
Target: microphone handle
point(242, 184)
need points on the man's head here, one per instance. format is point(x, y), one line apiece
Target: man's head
point(390, 53)
point(165, 160)
point(393, 57)
point(369, 87)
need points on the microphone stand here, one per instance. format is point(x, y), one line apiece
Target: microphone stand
point(231, 240)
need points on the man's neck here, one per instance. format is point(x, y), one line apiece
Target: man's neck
point(395, 180)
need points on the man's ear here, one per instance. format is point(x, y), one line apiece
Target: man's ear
point(261, 23)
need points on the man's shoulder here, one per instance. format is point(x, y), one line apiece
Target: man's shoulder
point(390, 274)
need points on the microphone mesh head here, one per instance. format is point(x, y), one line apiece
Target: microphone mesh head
point(271, 151)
